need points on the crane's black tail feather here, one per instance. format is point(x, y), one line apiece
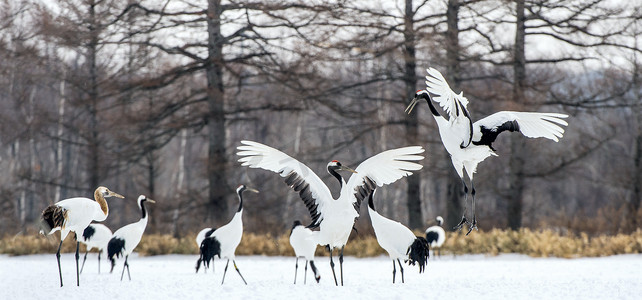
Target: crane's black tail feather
point(418, 252)
point(115, 247)
point(210, 247)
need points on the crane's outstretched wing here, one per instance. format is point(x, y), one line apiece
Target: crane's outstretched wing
point(453, 104)
point(530, 124)
point(383, 168)
point(298, 176)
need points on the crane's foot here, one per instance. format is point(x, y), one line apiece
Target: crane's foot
point(472, 226)
point(461, 223)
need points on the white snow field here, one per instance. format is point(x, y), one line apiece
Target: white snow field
point(505, 276)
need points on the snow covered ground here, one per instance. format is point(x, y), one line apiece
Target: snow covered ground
point(462, 277)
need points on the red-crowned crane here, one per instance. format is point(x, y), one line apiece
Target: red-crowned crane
point(95, 236)
point(470, 143)
point(74, 214)
point(127, 238)
point(304, 242)
point(436, 236)
point(223, 241)
point(334, 218)
point(398, 241)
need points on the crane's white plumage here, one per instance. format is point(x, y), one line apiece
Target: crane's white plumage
point(435, 235)
point(223, 241)
point(95, 236)
point(470, 143)
point(125, 239)
point(304, 242)
point(75, 214)
point(397, 240)
point(205, 232)
point(334, 218)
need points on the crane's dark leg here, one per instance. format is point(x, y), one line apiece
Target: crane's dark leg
point(125, 265)
point(474, 224)
point(82, 267)
point(296, 268)
point(394, 271)
point(341, 263)
point(305, 274)
point(401, 269)
point(463, 217)
point(58, 258)
point(99, 253)
point(239, 271)
point(314, 269)
point(332, 265)
point(225, 271)
point(77, 269)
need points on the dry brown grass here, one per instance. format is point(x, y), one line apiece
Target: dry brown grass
point(536, 243)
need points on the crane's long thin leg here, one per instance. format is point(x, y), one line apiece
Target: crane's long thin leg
point(125, 265)
point(82, 267)
point(225, 272)
point(77, 269)
point(474, 224)
point(99, 253)
point(463, 217)
point(314, 269)
point(394, 271)
point(58, 258)
point(296, 268)
point(401, 269)
point(239, 271)
point(332, 266)
point(305, 274)
point(341, 263)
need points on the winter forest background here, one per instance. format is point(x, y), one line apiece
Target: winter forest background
point(152, 97)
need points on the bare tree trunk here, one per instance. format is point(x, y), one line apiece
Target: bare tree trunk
point(454, 192)
point(93, 136)
point(59, 144)
point(413, 192)
point(215, 118)
point(516, 180)
point(634, 205)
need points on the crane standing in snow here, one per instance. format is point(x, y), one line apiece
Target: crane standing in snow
point(470, 143)
point(127, 238)
point(223, 241)
point(436, 236)
point(398, 241)
point(303, 241)
point(335, 218)
point(74, 214)
point(95, 236)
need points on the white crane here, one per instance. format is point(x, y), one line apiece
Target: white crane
point(470, 143)
point(127, 237)
point(335, 218)
point(398, 241)
point(304, 242)
point(436, 236)
point(95, 236)
point(204, 233)
point(74, 214)
point(224, 240)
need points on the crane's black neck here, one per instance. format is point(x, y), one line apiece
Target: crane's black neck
point(433, 110)
point(240, 193)
point(333, 172)
point(371, 201)
point(143, 209)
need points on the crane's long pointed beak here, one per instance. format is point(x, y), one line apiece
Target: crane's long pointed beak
point(112, 194)
point(348, 169)
point(252, 190)
point(412, 104)
point(150, 200)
